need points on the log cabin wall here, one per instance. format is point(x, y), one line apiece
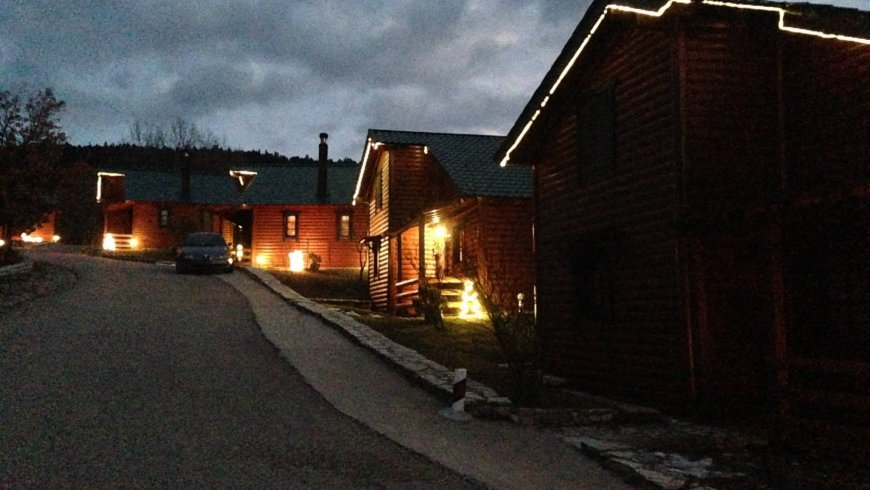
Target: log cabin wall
point(505, 253)
point(731, 166)
point(183, 218)
point(379, 225)
point(418, 184)
point(826, 109)
point(609, 291)
point(318, 234)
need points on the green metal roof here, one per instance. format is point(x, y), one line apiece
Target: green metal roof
point(295, 184)
point(468, 160)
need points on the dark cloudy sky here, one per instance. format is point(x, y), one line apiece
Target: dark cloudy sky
point(273, 74)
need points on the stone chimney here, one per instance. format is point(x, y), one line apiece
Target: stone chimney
point(321, 168)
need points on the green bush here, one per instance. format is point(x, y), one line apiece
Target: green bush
point(430, 303)
point(517, 336)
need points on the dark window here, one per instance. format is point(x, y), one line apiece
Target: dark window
point(344, 226)
point(592, 260)
point(163, 218)
point(379, 190)
point(596, 131)
point(291, 225)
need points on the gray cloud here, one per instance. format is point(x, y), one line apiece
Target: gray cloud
point(271, 74)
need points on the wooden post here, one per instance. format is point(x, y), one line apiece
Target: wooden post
point(421, 259)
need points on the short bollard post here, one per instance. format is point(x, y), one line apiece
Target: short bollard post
point(456, 411)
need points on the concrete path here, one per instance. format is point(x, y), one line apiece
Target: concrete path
point(357, 383)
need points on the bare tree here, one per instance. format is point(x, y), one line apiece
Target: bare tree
point(181, 135)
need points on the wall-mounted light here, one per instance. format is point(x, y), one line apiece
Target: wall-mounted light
point(134, 242)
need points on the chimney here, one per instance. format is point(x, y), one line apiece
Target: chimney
point(185, 177)
point(321, 167)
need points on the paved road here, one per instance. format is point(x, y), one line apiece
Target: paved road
point(137, 377)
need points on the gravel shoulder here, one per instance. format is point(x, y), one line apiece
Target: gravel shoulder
point(44, 280)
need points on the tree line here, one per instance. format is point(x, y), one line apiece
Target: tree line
point(41, 173)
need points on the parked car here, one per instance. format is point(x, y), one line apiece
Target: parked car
point(203, 251)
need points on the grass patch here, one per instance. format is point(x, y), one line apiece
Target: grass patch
point(326, 283)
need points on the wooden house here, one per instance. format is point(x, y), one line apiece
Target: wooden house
point(701, 182)
point(441, 212)
point(270, 212)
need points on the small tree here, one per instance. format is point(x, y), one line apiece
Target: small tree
point(30, 139)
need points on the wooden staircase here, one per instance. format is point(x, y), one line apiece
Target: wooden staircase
point(408, 291)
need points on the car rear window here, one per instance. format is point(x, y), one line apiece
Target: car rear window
point(205, 240)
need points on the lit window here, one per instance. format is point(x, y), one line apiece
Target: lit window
point(344, 226)
point(163, 218)
point(291, 225)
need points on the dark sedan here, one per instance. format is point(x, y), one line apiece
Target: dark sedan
point(203, 251)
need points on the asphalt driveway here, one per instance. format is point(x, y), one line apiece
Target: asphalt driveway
point(138, 377)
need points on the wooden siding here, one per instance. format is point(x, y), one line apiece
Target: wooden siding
point(318, 234)
point(505, 247)
point(731, 164)
point(417, 183)
point(624, 214)
point(379, 225)
point(183, 218)
point(826, 107)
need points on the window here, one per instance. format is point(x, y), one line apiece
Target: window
point(379, 190)
point(291, 225)
point(344, 226)
point(593, 260)
point(596, 130)
point(163, 218)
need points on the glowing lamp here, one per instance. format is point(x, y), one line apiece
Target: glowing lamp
point(470, 306)
point(262, 260)
point(240, 251)
point(55, 239)
point(134, 242)
point(440, 232)
point(297, 261)
point(2, 242)
point(109, 242)
point(30, 239)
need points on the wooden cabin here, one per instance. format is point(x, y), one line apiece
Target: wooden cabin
point(270, 211)
point(441, 212)
point(701, 214)
point(43, 232)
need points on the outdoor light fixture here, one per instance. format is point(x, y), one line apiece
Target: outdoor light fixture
point(440, 232)
point(109, 242)
point(2, 242)
point(30, 239)
point(262, 260)
point(240, 251)
point(55, 238)
point(134, 242)
point(297, 261)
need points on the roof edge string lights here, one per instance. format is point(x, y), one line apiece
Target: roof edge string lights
point(658, 13)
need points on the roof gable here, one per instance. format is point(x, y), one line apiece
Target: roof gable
point(468, 160)
point(823, 21)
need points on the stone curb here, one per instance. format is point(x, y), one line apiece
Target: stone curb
point(22, 267)
point(480, 399)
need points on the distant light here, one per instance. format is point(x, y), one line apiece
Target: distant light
point(297, 261)
point(134, 242)
point(2, 242)
point(262, 259)
point(240, 252)
point(30, 239)
point(55, 239)
point(109, 242)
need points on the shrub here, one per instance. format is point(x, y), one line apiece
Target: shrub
point(517, 336)
point(430, 303)
point(314, 262)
